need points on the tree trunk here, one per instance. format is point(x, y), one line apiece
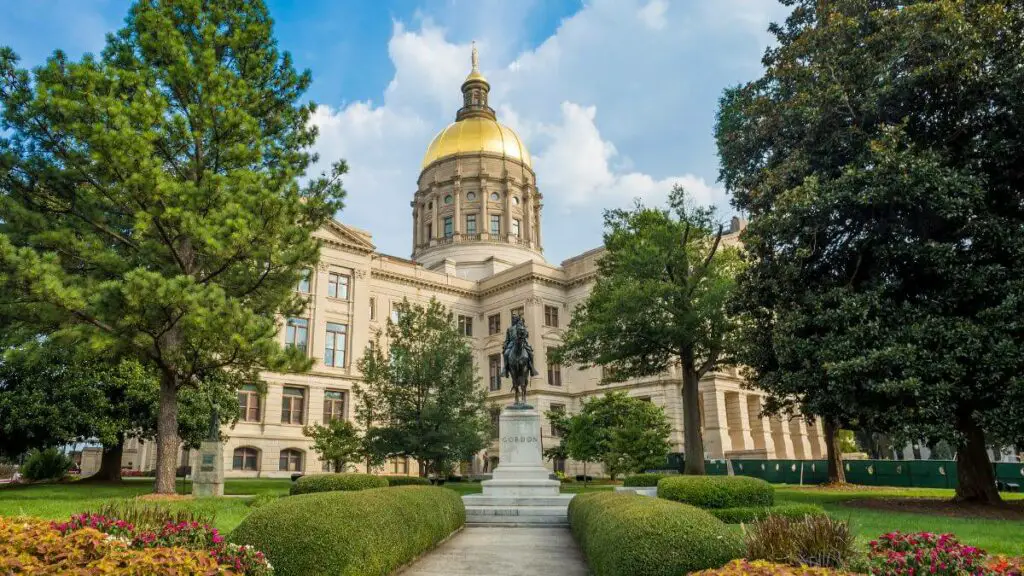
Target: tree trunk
point(167, 434)
point(976, 481)
point(110, 463)
point(836, 473)
point(693, 447)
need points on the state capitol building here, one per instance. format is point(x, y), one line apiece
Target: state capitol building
point(477, 248)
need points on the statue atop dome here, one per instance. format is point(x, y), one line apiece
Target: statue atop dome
point(475, 58)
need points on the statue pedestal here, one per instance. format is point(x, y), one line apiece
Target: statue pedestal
point(208, 475)
point(521, 491)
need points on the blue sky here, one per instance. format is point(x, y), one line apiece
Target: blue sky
point(615, 99)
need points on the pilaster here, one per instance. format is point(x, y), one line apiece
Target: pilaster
point(801, 446)
point(716, 430)
point(781, 438)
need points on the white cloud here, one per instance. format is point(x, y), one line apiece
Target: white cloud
point(653, 14)
point(618, 103)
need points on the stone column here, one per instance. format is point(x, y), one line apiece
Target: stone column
point(760, 427)
point(435, 231)
point(508, 213)
point(801, 446)
point(415, 226)
point(457, 227)
point(485, 219)
point(716, 432)
point(746, 432)
point(781, 438)
point(536, 217)
point(528, 216)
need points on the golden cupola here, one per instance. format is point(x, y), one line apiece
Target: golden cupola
point(476, 128)
point(477, 208)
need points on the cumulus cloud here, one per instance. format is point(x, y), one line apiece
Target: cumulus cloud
point(617, 104)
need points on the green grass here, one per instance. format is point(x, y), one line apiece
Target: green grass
point(58, 501)
point(994, 536)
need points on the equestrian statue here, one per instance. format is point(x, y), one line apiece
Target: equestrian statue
point(518, 356)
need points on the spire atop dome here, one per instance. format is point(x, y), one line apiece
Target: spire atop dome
point(474, 92)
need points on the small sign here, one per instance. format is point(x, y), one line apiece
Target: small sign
point(207, 463)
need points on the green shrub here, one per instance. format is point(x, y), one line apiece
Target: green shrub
point(407, 481)
point(808, 541)
point(50, 464)
point(643, 480)
point(262, 500)
point(751, 513)
point(717, 491)
point(370, 532)
point(335, 482)
point(624, 533)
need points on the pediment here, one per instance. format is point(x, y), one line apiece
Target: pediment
point(347, 236)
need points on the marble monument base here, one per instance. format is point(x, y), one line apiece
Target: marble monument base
point(520, 491)
point(208, 476)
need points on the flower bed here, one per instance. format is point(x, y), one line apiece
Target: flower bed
point(895, 554)
point(199, 539)
point(31, 546)
point(764, 568)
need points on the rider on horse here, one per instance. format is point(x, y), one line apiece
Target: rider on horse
point(510, 340)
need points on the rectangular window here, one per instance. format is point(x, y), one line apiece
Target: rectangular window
point(607, 375)
point(470, 223)
point(373, 308)
point(515, 227)
point(293, 405)
point(429, 231)
point(297, 333)
point(334, 349)
point(400, 466)
point(551, 316)
point(644, 398)
point(334, 405)
point(554, 372)
point(394, 315)
point(248, 404)
point(494, 374)
point(466, 325)
point(495, 422)
point(304, 281)
point(493, 324)
point(554, 429)
point(448, 230)
point(495, 224)
point(337, 286)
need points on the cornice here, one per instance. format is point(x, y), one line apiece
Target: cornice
point(390, 276)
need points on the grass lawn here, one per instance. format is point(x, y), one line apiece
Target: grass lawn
point(59, 501)
point(995, 536)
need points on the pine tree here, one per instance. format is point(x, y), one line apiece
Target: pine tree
point(149, 198)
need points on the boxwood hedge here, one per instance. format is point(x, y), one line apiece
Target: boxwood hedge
point(333, 482)
point(717, 491)
point(624, 533)
point(643, 480)
point(407, 481)
point(751, 513)
point(369, 532)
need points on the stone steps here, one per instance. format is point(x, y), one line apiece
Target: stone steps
point(517, 516)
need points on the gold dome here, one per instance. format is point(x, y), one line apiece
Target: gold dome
point(475, 135)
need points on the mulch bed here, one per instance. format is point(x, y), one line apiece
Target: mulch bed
point(1011, 510)
point(165, 497)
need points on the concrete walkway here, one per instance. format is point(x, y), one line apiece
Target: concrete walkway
point(498, 551)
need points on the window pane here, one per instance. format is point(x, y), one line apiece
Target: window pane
point(495, 224)
point(304, 281)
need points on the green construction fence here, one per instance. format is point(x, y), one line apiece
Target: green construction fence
point(905, 473)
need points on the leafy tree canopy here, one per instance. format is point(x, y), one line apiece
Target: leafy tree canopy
point(338, 442)
point(420, 392)
point(879, 159)
point(149, 198)
point(659, 301)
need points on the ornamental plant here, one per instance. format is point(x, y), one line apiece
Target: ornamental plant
point(111, 526)
point(896, 554)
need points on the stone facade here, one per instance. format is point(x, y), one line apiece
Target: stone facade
point(472, 177)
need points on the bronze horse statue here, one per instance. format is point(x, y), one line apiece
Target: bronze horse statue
point(518, 360)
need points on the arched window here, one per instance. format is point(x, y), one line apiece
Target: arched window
point(291, 460)
point(246, 458)
point(515, 200)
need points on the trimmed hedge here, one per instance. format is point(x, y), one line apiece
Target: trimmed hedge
point(624, 533)
point(335, 482)
point(369, 532)
point(643, 480)
point(717, 491)
point(751, 513)
point(407, 481)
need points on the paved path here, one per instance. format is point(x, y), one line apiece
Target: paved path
point(487, 551)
